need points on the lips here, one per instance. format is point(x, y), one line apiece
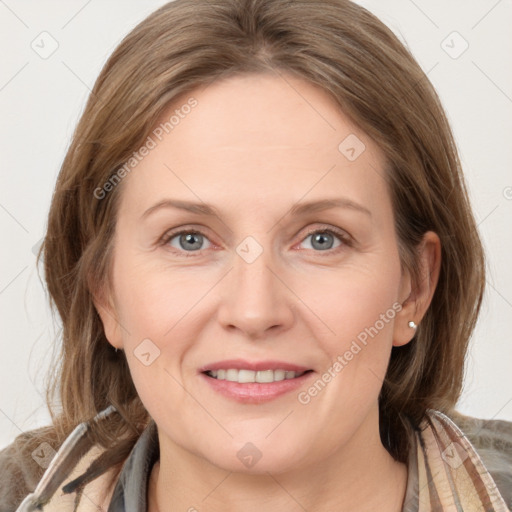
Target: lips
point(254, 381)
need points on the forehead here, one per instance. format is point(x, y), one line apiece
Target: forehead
point(255, 140)
point(254, 111)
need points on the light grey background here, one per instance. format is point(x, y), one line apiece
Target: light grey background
point(41, 100)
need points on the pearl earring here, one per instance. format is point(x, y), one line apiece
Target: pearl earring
point(412, 325)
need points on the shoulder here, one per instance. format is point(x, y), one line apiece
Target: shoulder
point(492, 440)
point(22, 467)
point(19, 471)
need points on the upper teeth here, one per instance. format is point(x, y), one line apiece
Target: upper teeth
point(243, 376)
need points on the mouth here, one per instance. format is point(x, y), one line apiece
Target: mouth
point(245, 376)
point(254, 382)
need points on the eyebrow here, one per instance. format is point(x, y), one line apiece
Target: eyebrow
point(327, 204)
point(297, 209)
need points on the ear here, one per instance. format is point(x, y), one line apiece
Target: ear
point(105, 306)
point(417, 296)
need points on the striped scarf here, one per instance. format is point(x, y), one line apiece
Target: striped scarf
point(451, 476)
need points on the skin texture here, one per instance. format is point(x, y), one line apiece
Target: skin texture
point(253, 147)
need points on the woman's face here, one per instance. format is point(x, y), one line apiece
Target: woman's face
point(277, 279)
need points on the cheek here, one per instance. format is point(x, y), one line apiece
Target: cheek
point(159, 309)
point(155, 308)
point(153, 302)
point(357, 309)
point(351, 302)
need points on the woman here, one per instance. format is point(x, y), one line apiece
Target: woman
point(267, 269)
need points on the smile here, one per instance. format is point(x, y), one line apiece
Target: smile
point(244, 388)
point(246, 376)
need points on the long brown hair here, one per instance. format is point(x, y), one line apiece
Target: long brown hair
point(361, 64)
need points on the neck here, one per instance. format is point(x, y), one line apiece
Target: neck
point(361, 476)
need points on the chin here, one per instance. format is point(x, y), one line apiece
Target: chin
point(249, 459)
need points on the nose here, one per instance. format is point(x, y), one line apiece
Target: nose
point(256, 298)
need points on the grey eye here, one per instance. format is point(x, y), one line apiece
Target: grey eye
point(188, 241)
point(322, 240)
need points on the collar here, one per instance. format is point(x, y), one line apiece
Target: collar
point(130, 492)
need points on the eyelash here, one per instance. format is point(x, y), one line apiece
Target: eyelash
point(345, 240)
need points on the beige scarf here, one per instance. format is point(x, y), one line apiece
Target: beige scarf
point(451, 475)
